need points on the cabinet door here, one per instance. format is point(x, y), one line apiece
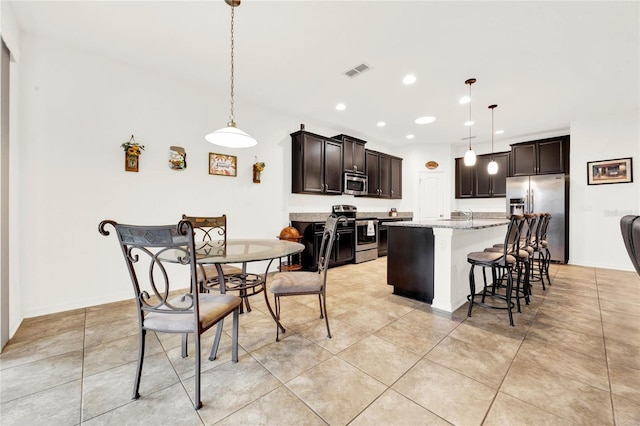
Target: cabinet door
point(464, 179)
point(371, 166)
point(523, 159)
point(358, 157)
point(344, 246)
point(312, 164)
point(332, 167)
point(550, 157)
point(347, 152)
point(384, 173)
point(396, 178)
point(499, 180)
point(482, 178)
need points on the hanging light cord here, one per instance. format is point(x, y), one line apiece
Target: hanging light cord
point(470, 124)
point(232, 116)
point(492, 107)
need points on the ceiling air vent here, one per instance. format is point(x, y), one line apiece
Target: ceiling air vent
point(357, 70)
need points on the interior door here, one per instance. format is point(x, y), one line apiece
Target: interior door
point(433, 196)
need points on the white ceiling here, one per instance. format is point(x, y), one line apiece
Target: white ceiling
point(544, 63)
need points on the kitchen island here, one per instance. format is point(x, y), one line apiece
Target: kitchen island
point(427, 260)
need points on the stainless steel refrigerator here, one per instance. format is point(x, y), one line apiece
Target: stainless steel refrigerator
point(544, 194)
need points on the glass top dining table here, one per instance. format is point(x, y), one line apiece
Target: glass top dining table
point(244, 251)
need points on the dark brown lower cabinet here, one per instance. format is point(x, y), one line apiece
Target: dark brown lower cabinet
point(343, 246)
point(410, 263)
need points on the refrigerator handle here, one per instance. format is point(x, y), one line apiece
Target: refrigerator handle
point(532, 203)
point(526, 201)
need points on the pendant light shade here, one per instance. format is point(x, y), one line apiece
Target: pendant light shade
point(470, 156)
point(231, 136)
point(492, 168)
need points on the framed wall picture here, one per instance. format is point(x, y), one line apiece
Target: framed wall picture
point(610, 171)
point(222, 164)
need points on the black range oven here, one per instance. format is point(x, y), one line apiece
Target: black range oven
point(366, 233)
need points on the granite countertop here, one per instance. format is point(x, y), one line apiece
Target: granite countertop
point(453, 223)
point(321, 217)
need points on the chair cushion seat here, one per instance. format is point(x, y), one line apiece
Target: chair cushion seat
point(522, 254)
point(489, 257)
point(296, 282)
point(213, 307)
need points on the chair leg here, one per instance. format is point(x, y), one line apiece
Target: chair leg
point(527, 284)
point(185, 338)
point(547, 262)
point(320, 303)
point(234, 335)
point(136, 383)
point(323, 307)
point(541, 268)
point(216, 341)
point(484, 278)
point(518, 279)
point(277, 317)
point(509, 291)
point(197, 403)
point(472, 289)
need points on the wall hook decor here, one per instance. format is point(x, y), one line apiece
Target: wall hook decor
point(132, 151)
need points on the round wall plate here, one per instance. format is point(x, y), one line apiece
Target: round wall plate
point(431, 165)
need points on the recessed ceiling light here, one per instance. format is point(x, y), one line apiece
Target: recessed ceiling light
point(468, 123)
point(381, 124)
point(409, 79)
point(499, 132)
point(341, 107)
point(410, 136)
point(425, 120)
point(464, 100)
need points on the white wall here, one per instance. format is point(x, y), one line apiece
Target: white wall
point(596, 209)
point(11, 36)
point(77, 108)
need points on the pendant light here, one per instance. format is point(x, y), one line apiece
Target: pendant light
point(492, 168)
point(231, 136)
point(470, 156)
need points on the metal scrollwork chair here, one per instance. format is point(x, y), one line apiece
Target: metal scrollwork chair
point(161, 264)
point(211, 234)
point(308, 282)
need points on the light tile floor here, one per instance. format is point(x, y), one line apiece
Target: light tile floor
point(572, 358)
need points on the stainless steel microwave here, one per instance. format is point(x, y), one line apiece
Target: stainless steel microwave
point(355, 183)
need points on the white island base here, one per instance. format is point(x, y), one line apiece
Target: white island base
point(452, 241)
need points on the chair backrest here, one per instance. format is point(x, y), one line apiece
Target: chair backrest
point(210, 233)
point(512, 238)
point(542, 234)
point(630, 228)
point(160, 265)
point(532, 221)
point(328, 237)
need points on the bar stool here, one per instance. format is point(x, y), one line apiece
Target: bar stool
point(523, 254)
point(495, 260)
point(541, 247)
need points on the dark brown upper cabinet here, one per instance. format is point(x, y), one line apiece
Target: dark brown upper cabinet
point(487, 185)
point(476, 182)
point(545, 156)
point(316, 164)
point(353, 153)
point(384, 174)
